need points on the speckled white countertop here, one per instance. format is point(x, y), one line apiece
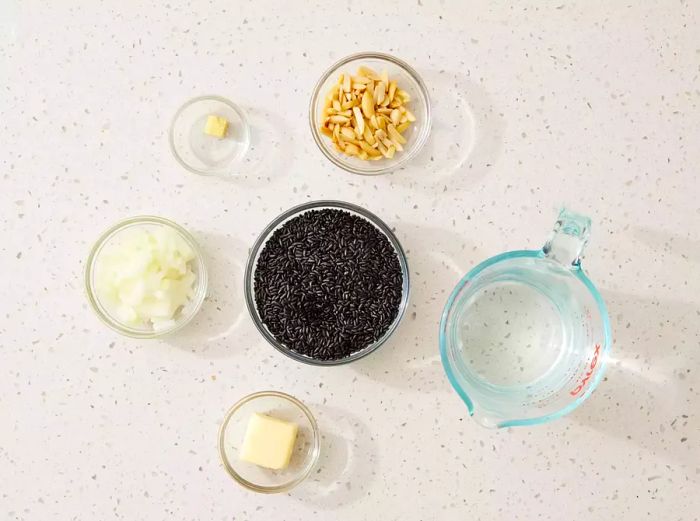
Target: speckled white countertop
point(537, 104)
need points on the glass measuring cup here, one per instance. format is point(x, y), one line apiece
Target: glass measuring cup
point(524, 335)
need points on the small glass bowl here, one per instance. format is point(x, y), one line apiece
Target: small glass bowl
point(407, 79)
point(183, 316)
point(304, 455)
point(203, 154)
point(260, 244)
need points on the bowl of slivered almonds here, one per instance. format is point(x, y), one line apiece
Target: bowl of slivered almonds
point(370, 113)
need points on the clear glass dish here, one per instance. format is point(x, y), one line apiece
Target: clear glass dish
point(203, 154)
point(260, 244)
point(407, 79)
point(304, 455)
point(102, 309)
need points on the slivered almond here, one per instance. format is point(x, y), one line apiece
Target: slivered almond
point(361, 79)
point(384, 76)
point(373, 122)
point(395, 116)
point(351, 149)
point(326, 131)
point(367, 104)
point(370, 150)
point(392, 90)
point(339, 119)
point(336, 105)
point(346, 83)
point(370, 89)
point(367, 134)
point(369, 73)
point(379, 93)
point(409, 116)
point(359, 120)
point(390, 152)
point(403, 126)
point(359, 86)
point(347, 133)
point(395, 135)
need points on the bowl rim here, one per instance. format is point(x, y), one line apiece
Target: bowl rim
point(109, 233)
point(261, 241)
point(407, 155)
point(207, 97)
point(315, 452)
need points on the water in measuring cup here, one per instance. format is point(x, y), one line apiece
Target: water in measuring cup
point(515, 333)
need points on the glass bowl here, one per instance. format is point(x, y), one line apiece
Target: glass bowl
point(203, 154)
point(103, 309)
point(407, 79)
point(304, 455)
point(260, 244)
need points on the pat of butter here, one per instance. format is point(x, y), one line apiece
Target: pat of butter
point(216, 126)
point(269, 441)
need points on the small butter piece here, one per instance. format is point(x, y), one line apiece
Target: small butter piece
point(269, 441)
point(216, 126)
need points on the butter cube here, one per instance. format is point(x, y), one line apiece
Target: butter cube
point(269, 441)
point(216, 126)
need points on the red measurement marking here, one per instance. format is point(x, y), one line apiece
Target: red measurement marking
point(594, 362)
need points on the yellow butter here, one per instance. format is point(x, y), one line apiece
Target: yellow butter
point(269, 441)
point(216, 126)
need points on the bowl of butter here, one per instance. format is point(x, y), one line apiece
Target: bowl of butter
point(209, 135)
point(269, 442)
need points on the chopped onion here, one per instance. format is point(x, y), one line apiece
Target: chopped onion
point(144, 276)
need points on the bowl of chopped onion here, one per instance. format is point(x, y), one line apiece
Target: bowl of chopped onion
point(145, 277)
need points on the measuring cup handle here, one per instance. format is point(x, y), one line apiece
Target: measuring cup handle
point(568, 239)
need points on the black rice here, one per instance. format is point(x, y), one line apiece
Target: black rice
point(328, 283)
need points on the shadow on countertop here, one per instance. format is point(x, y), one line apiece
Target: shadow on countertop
point(411, 359)
point(347, 464)
point(209, 334)
point(466, 137)
point(648, 395)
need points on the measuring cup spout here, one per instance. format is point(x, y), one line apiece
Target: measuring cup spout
point(568, 239)
point(479, 414)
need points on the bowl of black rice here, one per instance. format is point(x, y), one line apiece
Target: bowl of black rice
point(327, 283)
